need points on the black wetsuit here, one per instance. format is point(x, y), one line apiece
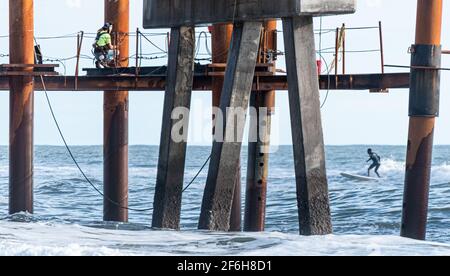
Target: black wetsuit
point(375, 163)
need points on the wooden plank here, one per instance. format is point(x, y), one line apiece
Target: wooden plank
point(172, 156)
point(224, 166)
point(309, 149)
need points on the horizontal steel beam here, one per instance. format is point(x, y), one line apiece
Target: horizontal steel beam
point(203, 83)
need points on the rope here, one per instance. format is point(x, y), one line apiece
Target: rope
point(197, 175)
point(151, 42)
point(354, 51)
point(76, 162)
point(84, 174)
point(326, 64)
point(350, 29)
point(329, 81)
point(197, 51)
point(72, 35)
point(201, 34)
point(341, 38)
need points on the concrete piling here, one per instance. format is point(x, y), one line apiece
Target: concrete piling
point(224, 165)
point(307, 134)
point(172, 156)
point(221, 39)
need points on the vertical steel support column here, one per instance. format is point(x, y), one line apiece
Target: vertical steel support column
point(174, 133)
point(21, 50)
point(221, 39)
point(224, 165)
point(115, 147)
point(423, 109)
point(258, 152)
point(343, 48)
point(309, 149)
point(380, 30)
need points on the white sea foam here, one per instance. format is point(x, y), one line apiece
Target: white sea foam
point(72, 240)
point(392, 166)
point(4, 170)
point(20, 249)
point(441, 173)
point(395, 168)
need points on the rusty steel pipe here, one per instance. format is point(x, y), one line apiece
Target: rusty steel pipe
point(258, 154)
point(138, 33)
point(336, 52)
point(271, 45)
point(221, 39)
point(343, 49)
point(380, 31)
point(80, 38)
point(424, 108)
point(21, 47)
point(116, 122)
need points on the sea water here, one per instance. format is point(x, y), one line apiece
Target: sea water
point(366, 215)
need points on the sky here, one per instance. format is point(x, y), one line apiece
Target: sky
point(349, 117)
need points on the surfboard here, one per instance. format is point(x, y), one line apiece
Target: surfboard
point(359, 177)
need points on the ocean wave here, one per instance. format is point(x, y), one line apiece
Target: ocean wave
point(57, 239)
point(8, 248)
point(396, 168)
point(392, 166)
point(4, 170)
point(441, 173)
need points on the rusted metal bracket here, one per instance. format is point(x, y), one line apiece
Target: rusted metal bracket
point(80, 37)
point(419, 67)
point(28, 70)
point(424, 94)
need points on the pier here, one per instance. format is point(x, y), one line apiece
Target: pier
point(243, 73)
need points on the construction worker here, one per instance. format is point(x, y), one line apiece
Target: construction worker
point(376, 162)
point(104, 50)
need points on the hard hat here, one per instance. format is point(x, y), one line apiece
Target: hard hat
point(107, 26)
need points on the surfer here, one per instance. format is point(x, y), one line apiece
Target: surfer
point(376, 162)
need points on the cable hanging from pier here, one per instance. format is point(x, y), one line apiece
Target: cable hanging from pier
point(76, 162)
point(322, 58)
point(151, 42)
point(72, 156)
point(162, 54)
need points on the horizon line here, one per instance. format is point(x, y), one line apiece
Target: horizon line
point(205, 145)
